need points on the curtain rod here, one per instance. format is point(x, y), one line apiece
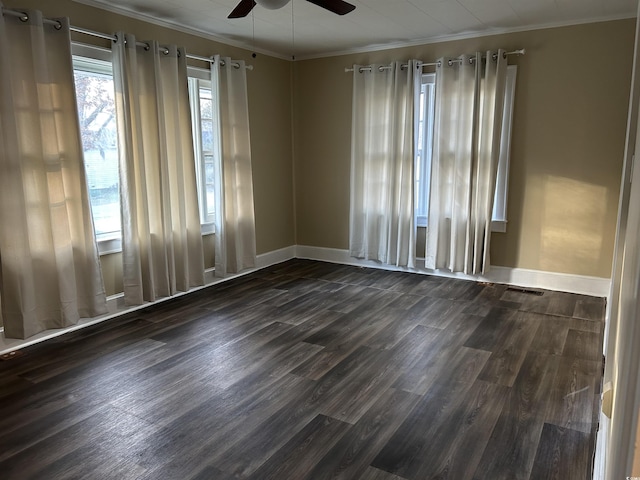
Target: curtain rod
point(520, 51)
point(24, 17)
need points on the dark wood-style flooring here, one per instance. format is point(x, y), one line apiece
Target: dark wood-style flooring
point(308, 370)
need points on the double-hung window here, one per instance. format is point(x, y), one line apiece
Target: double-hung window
point(98, 127)
point(97, 114)
point(424, 150)
point(424, 147)
point(203, 122)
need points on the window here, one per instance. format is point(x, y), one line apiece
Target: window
point(202, 116)
point(96, 110)
point(97, 114)
point(424, 150)
point(424, 147)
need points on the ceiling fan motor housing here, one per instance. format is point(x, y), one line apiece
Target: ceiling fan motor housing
point(272, 4)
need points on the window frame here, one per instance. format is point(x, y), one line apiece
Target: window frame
point(427, 103)
point(93, 59)
point(197, 77)
point(499, 214)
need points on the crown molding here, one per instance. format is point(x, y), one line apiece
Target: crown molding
point(181, 28)
point(462, 36)
point(363, 49)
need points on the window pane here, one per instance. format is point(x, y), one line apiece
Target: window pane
point(207, 136)
point(424, 148)
point(96, 110)
point(208, 172)
point(202, 113)
point(206, 106)
point(210, 199)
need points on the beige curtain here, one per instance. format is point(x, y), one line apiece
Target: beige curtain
point(382, 225)
point(50, 272)
point(235, 245)
point(470, 94)
point(161, 236)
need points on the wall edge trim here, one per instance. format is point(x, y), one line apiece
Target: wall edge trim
point(585, 285)
point(564, 282)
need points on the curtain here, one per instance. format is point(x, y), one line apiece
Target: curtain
point(470, 95)
point(235, 238)
point(161, 235)
point(50, 271)
point(382, 225)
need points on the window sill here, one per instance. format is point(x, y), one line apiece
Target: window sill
point(499, 226)
point(208, 229)
point(108, 244)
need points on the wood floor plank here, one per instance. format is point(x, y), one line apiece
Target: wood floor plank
point(562, 453)
point(456, 448)
point(590, 308)
point(438, 354)
point(510, 451)
point(551, 335)
point(208, 473)
point(344, 340)
point(253, 448)
point(372, 298)
point(394, 332)
point(51, 456)
point(436, 312)
point(490, 329)
point(311, 370)
point(192, 441)
point(571, 400)
point(585, 345)
point(368, 381)
point(372, 473)
point(405, 450)
point(304, 450)
point(510, 349)
point(353, 453)
point(405, 301)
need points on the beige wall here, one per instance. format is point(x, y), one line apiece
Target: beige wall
point(269, 90)
point(568, 138)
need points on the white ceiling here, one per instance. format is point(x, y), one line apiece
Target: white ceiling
point(373, 24)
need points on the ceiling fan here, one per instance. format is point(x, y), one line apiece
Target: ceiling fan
point(245, 6)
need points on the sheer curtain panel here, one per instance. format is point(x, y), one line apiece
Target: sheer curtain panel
point(235, 245)
point(470, 92)
point(50, 271)
point(382, 225)
point(161, 236)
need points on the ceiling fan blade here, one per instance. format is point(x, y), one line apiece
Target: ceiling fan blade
point(242, 9)
point(336, 6)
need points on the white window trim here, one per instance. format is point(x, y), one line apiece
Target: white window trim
point(206, 221)
point(110, 243)
point(500, 206)
point(427, 78)
point(499, 215)
point(87, 55)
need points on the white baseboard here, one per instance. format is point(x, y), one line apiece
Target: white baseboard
point(275, 256)
point(594, 286)
point(563, 282)
point(116, 306)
